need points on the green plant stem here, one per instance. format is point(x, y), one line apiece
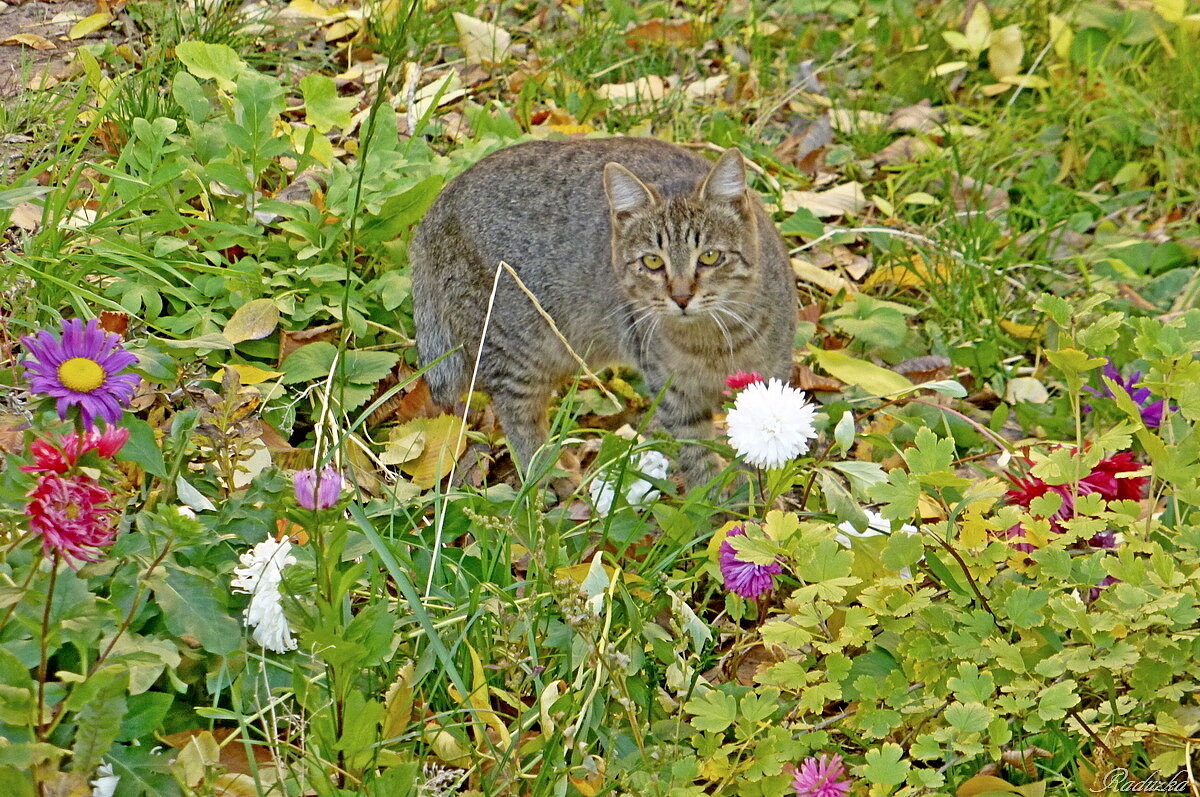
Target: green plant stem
point(43, 659)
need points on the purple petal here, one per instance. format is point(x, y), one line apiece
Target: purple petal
point(1152, 414)
point(72, 339)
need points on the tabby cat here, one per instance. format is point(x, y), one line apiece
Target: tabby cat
point(643, 253)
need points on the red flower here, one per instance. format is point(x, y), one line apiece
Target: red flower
point(740, 380)
point(73, 515)
point(1103, 479)
point(50, 459)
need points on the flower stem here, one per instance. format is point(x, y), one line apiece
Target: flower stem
point(43, 659)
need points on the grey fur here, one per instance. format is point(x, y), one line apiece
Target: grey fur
point(574, 219)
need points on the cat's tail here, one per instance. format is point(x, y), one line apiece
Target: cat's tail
point(437, 348)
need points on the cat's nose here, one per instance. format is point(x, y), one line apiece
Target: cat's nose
point(681, 299)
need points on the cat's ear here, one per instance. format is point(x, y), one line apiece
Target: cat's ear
point(727, 180)
point(625, 192)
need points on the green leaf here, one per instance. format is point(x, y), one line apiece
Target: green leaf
point(195, 606)
point(99, 721)
point(804, 223)
point(145, 715)
point(1073, 361)
point(899, 494)
point(218, 62)
point(368, 367)
point(931, 453)
point(870, 377)
point(713, 711)
point(884, 765)
point(252, 321)
point(903, 549)
point(1024, 606)
point(968, 717)
point(311, 361)
point(323, 108)
point(971, 686)
point(1056, 700)
point(142, 448)
point(863, 476)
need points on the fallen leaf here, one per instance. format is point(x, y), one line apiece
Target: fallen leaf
point(826, 280)
point(482, 42)
point(712, 86)
point(445, 441)
point(916, 273)
point(252, 321)
point(679, 33)
point(1005, 52)
point(1026, 81)
point(970, 194)
point(903, 149)
point(928, 368)
point(920, 118)
point(405, 443)
point(870, 377)
point(806, 378)
point(844, 199)
point(648, 88)
point(1019, 330)
point(89, 25)
point(30, 40)
point(1026, 388)
point(290, 340)
point(444, 90)
point(27, 216)
point(252, 374)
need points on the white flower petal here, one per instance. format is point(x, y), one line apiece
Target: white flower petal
point(259, 576)
point(771, 424)
point(638, 492)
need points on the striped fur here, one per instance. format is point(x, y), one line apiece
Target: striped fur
point(577, 219)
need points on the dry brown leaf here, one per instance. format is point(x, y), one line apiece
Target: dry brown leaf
point(920, 118)
point(844, 199)
point(677, 33)
point(806, 147)
point(482, 42)
point(713, 86)
point(30, 40)
point(916, 273)
point(27, 216)
point(904, 149)
point(645, 89)
point(970, 194)
point(928, 368)
point(806, 378)
point(290, 340)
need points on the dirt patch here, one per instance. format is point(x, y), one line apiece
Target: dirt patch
point(41, 41)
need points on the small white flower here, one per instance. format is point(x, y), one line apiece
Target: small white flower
point(771, 424)
point(259, 577)
point(105, 783)
point(877, 525)
point(186, 512)
point(638, 491)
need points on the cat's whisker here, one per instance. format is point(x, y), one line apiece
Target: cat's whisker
point(724, 332)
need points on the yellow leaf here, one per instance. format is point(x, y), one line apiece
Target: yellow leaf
point(30, 40)
point(252, 321)
point(447, 747)
point(89, 25)
point(973, 530)
point(1006, 52)
point(579, 572)
point(1061, 36)
point(647, 88)
point(917, 273)
point(252, 374)
point(1019, 330)
point(827, 280)
point(309, 8)
point(941, 70)
point(572, 130)
point(978, 31)
point(482, 42)
point(405, 443)
point(985, 784)
point(445, 442)
point(843, 199)
point(870, 377)
point(342, 28)
point(919, 198)
point(1026, 81)
point(1171, 10)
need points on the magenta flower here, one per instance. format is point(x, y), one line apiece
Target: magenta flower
point(73, 515)
point(81, 367)
point(747, 579)
point(49, 458)
point(318, 491)
point(818, 777)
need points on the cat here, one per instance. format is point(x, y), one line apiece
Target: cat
point(643, 253)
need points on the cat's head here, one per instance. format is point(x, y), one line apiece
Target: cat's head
point(690, 256)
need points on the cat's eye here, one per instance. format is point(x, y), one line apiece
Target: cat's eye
point(652, 262)
point(709, 257)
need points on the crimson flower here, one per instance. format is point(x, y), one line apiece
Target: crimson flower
point(48, 458)
point(821, 777)
point(1104, 480)
point(747, 579)
point(740, 380)
point(73, 515)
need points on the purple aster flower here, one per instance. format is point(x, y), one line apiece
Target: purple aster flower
point(318, 491)
point(1097, 590)
point(81, 367)
point(745, 578)
point(821, 777)
point(1152, 411)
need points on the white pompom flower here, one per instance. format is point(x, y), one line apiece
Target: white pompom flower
point(638, 491)
point(771, 424)
point(259, 577)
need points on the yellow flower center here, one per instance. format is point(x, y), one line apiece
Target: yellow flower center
point(81, 374)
